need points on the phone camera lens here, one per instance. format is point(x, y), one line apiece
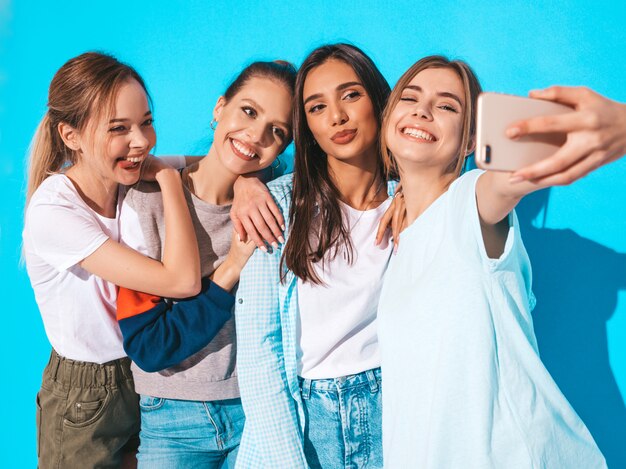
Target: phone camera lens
point(487, 154)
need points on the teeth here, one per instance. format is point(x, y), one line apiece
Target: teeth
point(243, 148)
point(135, 159)
point(418, 134)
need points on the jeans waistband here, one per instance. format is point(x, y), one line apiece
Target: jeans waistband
point(74, 373)
point(369, 377)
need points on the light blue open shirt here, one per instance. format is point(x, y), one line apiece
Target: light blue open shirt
point(266, 312)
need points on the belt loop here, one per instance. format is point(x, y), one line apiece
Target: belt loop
point(54, 366)
point(306, 389)
point(371, 379)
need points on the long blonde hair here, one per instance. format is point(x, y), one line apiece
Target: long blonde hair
point(84, 87)
point(472, 89)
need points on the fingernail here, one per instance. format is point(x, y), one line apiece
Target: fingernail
point(264, 249)
point(281, 239)
point(512, 132)
point(395, 249)
point(282, 227)
point(376, 242)
point(275, 245)
point(239, 237)
point(515, 179)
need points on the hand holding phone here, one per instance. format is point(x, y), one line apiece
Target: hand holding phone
point(494, 150)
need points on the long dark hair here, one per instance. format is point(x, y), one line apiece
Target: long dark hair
point(315, 196)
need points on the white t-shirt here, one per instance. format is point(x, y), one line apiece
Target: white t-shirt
point(336, 327)
point(464, 384)
point(77, 307)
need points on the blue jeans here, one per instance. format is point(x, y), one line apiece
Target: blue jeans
point(189, 434)
point(343, 421)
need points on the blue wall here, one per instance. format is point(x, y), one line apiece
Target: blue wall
point(188, 51)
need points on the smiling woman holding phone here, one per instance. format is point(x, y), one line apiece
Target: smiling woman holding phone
point(454, 316)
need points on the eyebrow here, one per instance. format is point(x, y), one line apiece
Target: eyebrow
point(443, 94)
point(260, 108)
point(341, 87)
point(124, 119)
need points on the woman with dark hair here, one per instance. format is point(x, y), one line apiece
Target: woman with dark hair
point(184, 352)
point(309, 369)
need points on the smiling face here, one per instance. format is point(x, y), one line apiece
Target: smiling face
point(113, 149)
point(426, 124)
point(254, 126)
point(339, 111)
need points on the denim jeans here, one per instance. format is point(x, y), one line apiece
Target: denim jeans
point(189, 434)
point(343, 421)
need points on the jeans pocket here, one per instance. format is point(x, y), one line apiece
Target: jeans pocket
point(149, 403)
point(82, 412)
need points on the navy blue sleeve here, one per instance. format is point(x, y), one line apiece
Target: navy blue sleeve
point(168, 333)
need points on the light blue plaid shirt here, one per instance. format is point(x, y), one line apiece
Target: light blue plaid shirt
point(266, 312)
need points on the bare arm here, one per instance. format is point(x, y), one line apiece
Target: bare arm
point(596, 135)
point(178, 274)
point(496, 197)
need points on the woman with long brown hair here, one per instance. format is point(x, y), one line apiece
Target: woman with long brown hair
point(306, 313)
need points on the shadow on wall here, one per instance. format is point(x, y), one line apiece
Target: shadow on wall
point(576, 282)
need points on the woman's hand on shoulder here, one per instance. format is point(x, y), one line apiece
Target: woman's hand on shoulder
point(227, 274)
point(255, 215)
point(596, 135)
point(393, 219)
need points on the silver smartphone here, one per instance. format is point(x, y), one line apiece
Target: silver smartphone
point(494, 150)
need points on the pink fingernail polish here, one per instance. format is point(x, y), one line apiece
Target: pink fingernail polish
point(281, 239)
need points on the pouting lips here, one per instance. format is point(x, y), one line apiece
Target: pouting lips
point(242, 150)
point(344, 137)
point(419, 133)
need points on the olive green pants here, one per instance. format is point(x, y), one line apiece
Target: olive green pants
point(87, 414)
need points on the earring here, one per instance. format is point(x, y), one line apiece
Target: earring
point(213, 124)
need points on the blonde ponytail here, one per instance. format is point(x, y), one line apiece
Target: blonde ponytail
point(48, 155)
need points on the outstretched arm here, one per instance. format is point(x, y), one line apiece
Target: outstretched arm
point(596, 135)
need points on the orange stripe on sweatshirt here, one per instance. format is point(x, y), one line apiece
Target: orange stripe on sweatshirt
point(131, 302)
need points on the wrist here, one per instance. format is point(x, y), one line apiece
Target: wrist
point(167, 175)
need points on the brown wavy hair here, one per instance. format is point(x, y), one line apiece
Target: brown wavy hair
point(315, 196)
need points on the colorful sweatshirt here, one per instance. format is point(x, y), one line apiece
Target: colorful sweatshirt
point(183, 349)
